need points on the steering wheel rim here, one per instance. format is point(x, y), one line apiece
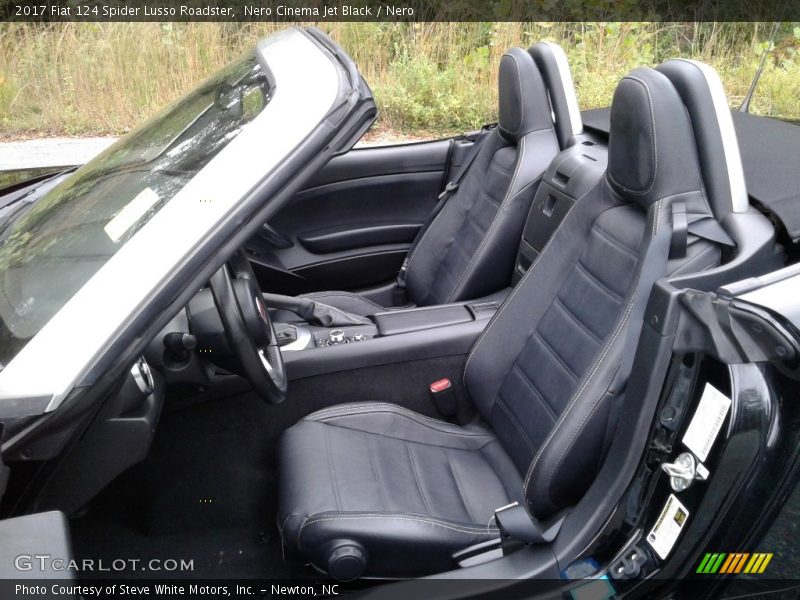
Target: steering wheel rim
point(249, 329)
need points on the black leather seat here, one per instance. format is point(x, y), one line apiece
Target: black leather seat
point(376, 490)
point(468, 250)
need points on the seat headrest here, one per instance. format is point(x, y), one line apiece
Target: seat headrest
point(553, 65)
point(701, 91)
point(652, 152)
point(523, 99)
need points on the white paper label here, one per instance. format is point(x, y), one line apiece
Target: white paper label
point(668, 527)
point(707, 422)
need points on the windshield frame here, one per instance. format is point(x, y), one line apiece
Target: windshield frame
point(308, 84)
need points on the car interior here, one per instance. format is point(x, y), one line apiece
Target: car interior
point(451, 328)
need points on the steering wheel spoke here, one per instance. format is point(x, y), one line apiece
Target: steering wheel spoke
point(249, 329)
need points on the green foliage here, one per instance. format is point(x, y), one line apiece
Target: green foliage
point(428, 78)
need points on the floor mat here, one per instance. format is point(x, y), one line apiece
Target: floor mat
point(206, 493)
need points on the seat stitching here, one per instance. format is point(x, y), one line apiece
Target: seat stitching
point(378, 479)
point(412, 417)
point(360, 405)
point(552, 351)
point(461, 496)
point(489, 439)
point(483, 529)
point(454, 243)
point(588, 379)
point(596, 403)
point(560, 303)
point(458, 245)
point(593, 279)
point(444, 209)
point(502, 170)
point(489, 461)
point(332, 467)
point(549, 409)
point(389, 407)
point(519, 286)
point(575, 396)
point(420, 491)
point(483, 195)
point(614, 241)
point(508, 196)
point(515, 422)
point(474, 226)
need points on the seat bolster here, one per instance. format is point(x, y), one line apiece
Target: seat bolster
point(391, 420)
point(492, 264)
point(569, 458)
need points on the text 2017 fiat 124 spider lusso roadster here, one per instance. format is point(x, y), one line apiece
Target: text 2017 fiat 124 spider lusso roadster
point(559, 352)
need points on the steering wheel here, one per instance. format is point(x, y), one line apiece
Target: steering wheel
point(248, 328)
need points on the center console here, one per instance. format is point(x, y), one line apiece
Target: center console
point(395, 336)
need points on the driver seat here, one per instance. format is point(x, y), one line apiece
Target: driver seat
point(374, 489)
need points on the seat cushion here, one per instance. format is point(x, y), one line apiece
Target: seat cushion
point(396, 482)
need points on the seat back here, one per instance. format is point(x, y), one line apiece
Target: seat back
point(544, 372)
point(552, 62)
point(469, 249)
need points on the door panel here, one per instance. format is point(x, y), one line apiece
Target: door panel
point(352, 226)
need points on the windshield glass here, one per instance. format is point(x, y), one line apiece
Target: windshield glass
point(52, 247)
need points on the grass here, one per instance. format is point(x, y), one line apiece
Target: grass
point(428, 78)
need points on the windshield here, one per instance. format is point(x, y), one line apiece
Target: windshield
point(52, 247)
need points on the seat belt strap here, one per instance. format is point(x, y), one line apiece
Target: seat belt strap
point(702, 226)
point(451, 187)
point(517, 525)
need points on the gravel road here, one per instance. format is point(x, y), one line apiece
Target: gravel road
point(50, 152)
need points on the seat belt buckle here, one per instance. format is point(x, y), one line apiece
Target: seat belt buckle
point(451, 186)
point(399, 296)
point(508, 542)
point(444, 397)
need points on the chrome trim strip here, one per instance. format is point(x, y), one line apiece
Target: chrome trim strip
point(730, 144)
point(143, 376)
point(564, 72)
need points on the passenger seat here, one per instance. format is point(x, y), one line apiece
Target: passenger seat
point(469, 248)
